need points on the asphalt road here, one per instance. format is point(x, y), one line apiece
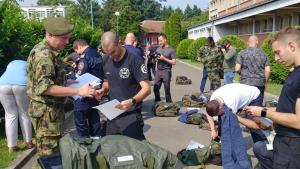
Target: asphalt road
point(168, 132)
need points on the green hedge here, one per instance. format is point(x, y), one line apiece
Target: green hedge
point(182, 48)
point(234, 40)
point(278, 70)
point(19, 35)
point(195, 46)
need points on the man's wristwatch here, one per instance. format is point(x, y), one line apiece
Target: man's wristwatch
point(133, 101)
point(263, 112)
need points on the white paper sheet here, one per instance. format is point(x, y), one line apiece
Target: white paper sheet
point(109, 110)
point(193, 145)
point(82, 80)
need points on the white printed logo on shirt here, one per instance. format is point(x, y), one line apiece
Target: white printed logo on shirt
point(144, 68)
point(124, 73)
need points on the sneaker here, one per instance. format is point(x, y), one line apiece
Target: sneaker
point(29, 145)
point(12, 149)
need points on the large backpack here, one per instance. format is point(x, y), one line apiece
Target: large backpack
point(195, 100)
point(164, 109)
point(183, 80)
point(122, 152)
point(115, 152)
point(202, 156)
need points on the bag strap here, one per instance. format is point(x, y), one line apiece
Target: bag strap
point(101, 161)
point(150, 161)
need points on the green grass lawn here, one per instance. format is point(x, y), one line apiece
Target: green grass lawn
point(272, 88)
point(5, 157)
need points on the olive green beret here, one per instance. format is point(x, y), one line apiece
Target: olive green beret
point(58, 26)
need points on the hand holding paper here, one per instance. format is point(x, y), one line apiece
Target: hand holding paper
point(109, 109)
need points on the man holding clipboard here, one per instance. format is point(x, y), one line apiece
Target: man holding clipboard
point(126, 78)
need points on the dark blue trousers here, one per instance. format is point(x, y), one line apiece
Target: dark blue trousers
point(87, 122)
point(203, 81)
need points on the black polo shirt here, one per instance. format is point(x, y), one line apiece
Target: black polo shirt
point(287, 101)
point(124, 77)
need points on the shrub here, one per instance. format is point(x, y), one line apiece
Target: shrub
point(234, 40)
point(195, 46)
point(278, 71)
point(182, 48)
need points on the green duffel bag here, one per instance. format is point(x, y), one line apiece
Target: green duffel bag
point(164, 109)
point(202, 156)
point(81, 154)
point(198, 156)
point(122, 152)
point(183, 80)
point(197, 118)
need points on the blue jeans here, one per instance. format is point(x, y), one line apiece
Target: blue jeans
point(203, 81)
point(228, 77)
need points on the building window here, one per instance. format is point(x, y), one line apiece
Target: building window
point(31, 13)
point(279, 23)
point(299, 19)
point(290, 20)
point(257, 27)
point(49, 12)
point(270, 25)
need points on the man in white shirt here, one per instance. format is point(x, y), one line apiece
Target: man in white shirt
point(235, 96)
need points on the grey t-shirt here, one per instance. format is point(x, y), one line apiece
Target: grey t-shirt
point(169, 53)
point(253, 62)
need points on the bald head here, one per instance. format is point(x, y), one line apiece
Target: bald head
point(253, 41)
point(130, 38)
point(109, 38)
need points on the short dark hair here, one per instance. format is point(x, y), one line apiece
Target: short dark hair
point(226, 42)
point(163, 35)
point(211, 42)
point(212, 108)
point(79, 42)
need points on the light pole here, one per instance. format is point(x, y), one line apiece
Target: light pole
point(117, 13)
point(92, 16)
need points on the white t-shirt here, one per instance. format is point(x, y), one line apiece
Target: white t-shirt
point(235, 95)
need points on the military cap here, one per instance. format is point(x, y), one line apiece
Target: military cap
point(58, 26)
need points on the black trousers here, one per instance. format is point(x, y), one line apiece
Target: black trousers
point(286, 152)
point(264, 156)
point(163, 76)
point(128, 124)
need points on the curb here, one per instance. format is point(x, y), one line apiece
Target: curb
point(22, 159)
point(268, 94)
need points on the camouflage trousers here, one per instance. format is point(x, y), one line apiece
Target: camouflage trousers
point(48, 132)
point(215, 81)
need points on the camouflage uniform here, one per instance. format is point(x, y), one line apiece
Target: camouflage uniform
point(47, 112)
point(212, 59)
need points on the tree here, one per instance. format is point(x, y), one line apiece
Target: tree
point(196, 11)
point(166, 12)
point(188, 12)
point(173, 29)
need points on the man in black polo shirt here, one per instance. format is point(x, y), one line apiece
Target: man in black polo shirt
point(286, 145)
point(166, 58)
point(126, 78)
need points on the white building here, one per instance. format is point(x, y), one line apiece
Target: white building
point(41, 12)
point(246, 17)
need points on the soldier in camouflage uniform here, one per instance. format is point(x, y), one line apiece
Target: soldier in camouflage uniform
point(212, 59)
point(46, 85)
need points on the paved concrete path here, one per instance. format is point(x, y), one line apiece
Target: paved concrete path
point(168, 132)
